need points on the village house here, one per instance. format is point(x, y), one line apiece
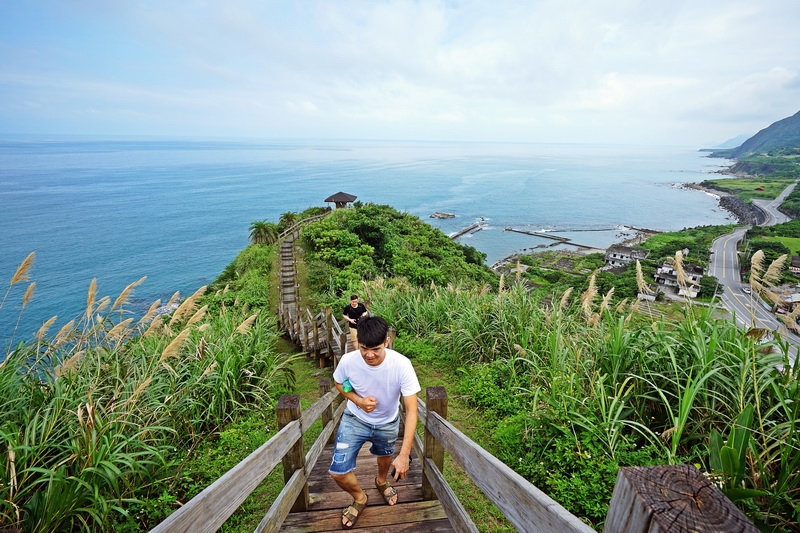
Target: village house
point(794, 266)
point(666, 275)
point(624, 255)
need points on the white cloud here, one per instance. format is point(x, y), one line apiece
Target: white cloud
point(628, 70)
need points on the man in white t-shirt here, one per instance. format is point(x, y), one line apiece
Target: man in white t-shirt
point(379, 378)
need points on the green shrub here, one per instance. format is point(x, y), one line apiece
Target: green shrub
point(492, 387)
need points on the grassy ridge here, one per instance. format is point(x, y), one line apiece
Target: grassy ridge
point(110, 422)
point(98, 420)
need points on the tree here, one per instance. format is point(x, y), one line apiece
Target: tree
point(263, 232)
point(287, 220)
point(708, 286)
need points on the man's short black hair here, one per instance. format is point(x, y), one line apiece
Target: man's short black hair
point(372, 331)
point(353, 297)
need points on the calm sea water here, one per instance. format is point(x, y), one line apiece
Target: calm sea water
point(178, 211)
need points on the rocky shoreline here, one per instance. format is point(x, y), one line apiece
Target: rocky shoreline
point(746, 214)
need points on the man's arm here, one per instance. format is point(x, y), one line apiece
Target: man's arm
point(403, 459)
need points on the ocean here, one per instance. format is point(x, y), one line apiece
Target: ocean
point(178, 211)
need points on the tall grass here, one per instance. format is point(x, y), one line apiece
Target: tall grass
point(101, 413)
point(574, 376)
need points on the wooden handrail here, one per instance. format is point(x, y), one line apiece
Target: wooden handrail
point(529, 510)
point(300, 223)
point(207, 511)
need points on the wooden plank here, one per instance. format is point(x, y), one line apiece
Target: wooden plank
point(437, 402)
point(323, 439)
point(211, 508)
point(459, 517)
point(288, 410)
point(311, 414)
point(529, 509)
point(377, 515)
point(671, 499)
point(280, 508)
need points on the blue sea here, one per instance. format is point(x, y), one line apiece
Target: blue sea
point(178, 211)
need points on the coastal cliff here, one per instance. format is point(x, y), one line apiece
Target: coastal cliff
point(745, 213)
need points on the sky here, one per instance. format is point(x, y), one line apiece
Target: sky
point(689, 73)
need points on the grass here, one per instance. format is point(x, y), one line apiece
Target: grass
point(792, 243)
point(745, 188)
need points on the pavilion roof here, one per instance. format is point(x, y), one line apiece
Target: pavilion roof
point(340, 197)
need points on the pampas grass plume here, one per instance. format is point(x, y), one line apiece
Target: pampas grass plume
point(119, 331)
point(23, 269)
point(643, 286)
point(42, 331)
point(62, 334)
point(565, 298)
point(174, 347)
point(90, 296)
point(154, 326)
point(198, 316)
point(773, 273)
point(137, 391)
point(69, 364)
point(244, 327)
point(28, 294)
point(680, 273)
point(587, 298)
point(151, 312)
point(606, 300)
point(210, 369)
point(756, 268)
point(187, 306)
point(122, 299)
point(174, 299)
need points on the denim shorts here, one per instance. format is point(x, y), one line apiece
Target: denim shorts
point(353, 433)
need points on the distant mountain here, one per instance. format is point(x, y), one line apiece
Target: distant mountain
point(735, 142)
point(782, 134)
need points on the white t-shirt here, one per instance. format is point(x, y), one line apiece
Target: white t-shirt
point(387, 382)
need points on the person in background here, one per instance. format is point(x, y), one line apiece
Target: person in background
point(378, 378)
point(353, 313)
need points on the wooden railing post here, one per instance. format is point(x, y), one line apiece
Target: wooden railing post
point(329, 334)
point(289, 410)
point(671, 498)
point(436, 400)
point(392, 337)
point(316, 342)
point(325, 385)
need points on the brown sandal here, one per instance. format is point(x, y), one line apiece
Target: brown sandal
point(350, 517)
point(386, 490)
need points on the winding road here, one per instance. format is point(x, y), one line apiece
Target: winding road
point(748, 309)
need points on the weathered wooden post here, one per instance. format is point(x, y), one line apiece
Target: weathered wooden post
point(302, 338)
point(329, 335)
point(325, 385)
point(316, 342)
point(671, 499)
point(392, 337)
point(289, 410)
point(343, 350)
point(436, 400)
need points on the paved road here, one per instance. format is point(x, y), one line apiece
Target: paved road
point(749, 310)
point(770, 207)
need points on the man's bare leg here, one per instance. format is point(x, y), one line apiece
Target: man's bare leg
point(349, 483)
point(384, 464)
